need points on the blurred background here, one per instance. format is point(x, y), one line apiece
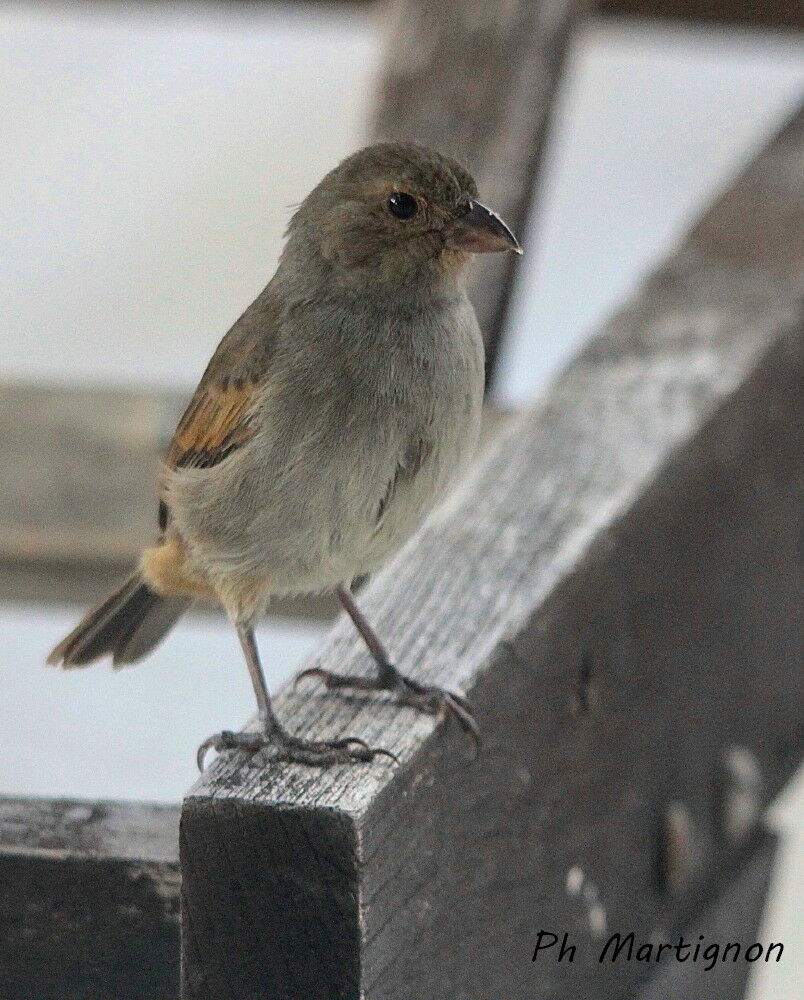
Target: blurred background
point(152, 156)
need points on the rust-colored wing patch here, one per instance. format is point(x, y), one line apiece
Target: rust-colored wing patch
point(216, 423)
point(220, 417)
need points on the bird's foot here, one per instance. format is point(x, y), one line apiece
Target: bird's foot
point(433, 700)
point(317, 753)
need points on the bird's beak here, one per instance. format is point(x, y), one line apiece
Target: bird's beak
point(479, 230)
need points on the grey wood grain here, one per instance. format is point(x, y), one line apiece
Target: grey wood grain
point(616, 588)
point(89, 900)
point(132, 831)
point(84, 464)
point(477, 81)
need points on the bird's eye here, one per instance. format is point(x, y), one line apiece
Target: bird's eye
point(402, 205)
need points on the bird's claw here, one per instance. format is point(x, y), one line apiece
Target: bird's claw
point(441, 703)
point(311, 672)
point(318, 753)
point(433, 700)
point(226, 740)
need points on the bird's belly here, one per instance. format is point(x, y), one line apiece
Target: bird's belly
point(311, 510)
point(412, 496)
point(362, 520)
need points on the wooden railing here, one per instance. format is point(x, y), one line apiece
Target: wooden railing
point(614, 587)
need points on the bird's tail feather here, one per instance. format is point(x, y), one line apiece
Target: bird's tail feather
point(127, 625)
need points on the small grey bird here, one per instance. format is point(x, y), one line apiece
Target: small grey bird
point(332, 416)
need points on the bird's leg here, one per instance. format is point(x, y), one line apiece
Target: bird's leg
point(434, 700)
point(271, 733)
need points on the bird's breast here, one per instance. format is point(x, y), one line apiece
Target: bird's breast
point(355, 443)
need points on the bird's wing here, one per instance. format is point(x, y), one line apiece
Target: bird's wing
point(216, 422)
point(219, 418)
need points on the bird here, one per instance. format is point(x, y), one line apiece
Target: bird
point(334, 414)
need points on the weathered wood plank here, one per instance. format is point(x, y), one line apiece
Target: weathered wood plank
point(85, 463)
point(81, 504)
point(89, 900)
point(477, 80)
point(130, 831)
point(616, 588)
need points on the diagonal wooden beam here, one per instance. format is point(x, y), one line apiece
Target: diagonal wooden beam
point(616, 588)
point(477, 80)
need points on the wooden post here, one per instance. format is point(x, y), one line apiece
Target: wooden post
point(476, 80)
point(616, 589)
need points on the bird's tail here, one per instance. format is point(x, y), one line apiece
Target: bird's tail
point(127, 625)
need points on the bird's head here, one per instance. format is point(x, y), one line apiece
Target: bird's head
point(398, 209)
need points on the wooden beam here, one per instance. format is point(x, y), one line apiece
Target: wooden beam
point(77, 511)
point(753, 13)
point(89, 900)
point(59, 846)
point(477, 80)
point(616, 588)
point(86, 487)
point(761, 13)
